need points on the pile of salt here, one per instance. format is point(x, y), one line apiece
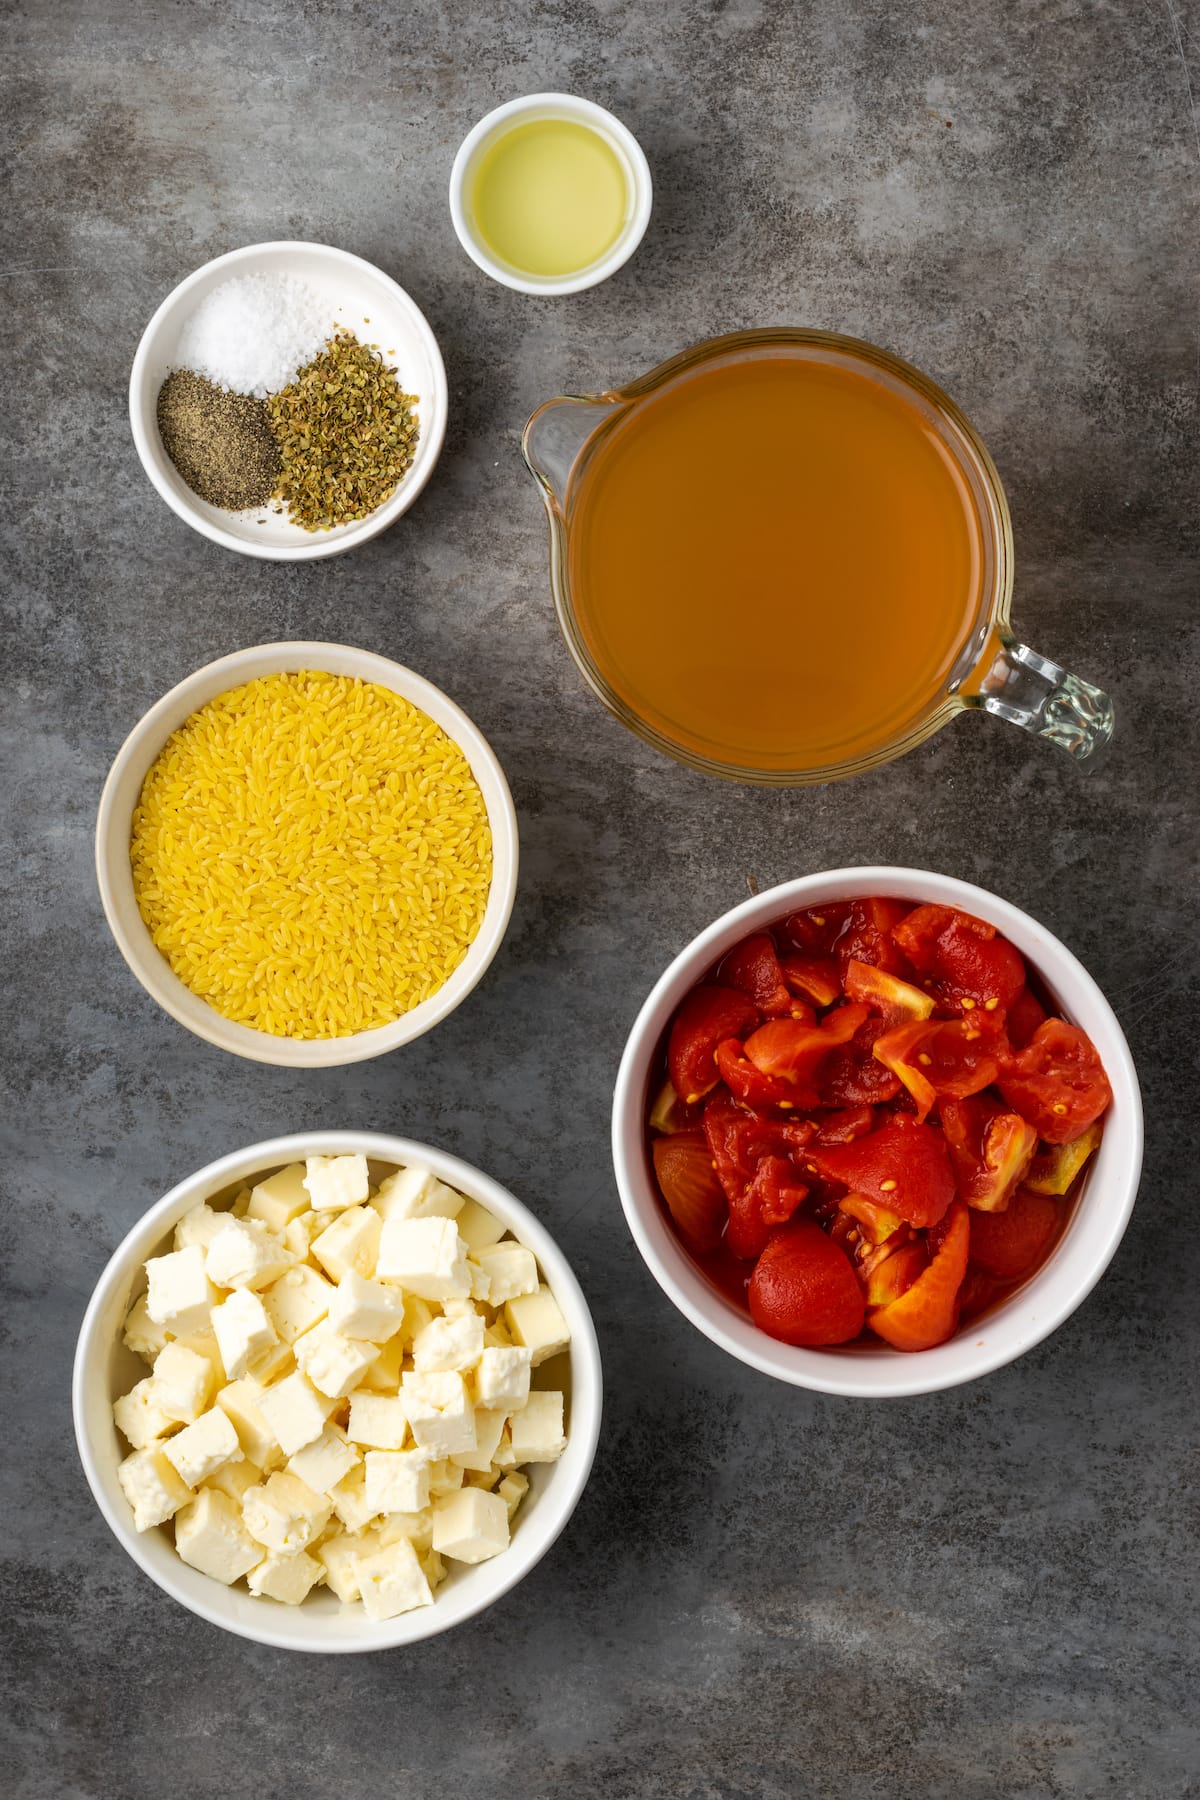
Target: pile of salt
point(255, 332)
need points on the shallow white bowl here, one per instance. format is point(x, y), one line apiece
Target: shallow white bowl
point(1097, 1222)
point(356, 292)
point(105, 1369)
point(639, 189)
point(115, 876)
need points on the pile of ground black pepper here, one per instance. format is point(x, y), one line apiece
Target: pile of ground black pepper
point(221, 443)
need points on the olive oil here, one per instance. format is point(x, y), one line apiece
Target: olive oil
point(549, 197)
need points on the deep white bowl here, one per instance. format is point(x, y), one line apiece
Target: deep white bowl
point(367, 302)
point(1097, 1222)
point(115, 876)
point(105, 1369)
point(528, 109)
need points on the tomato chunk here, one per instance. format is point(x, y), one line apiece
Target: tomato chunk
point(870, 935)
point(816, 929)
point(1057, 1082)
point(939, 1057)
point(926, 1314)
point(1054, 1171)
point(804, 1289)
point(1023, 1018)
point(964, 958)
point(844, 1126)
point(753, 968)
point(853, 1075)
point(738, 1139)
point(706, 1018)
point(990, 1150)
point(754, 1087)
point(897, 1002)
point(903, 1165)
point(770, 1200)
point(1011, 1243)
point(695, 1198)
point(815, 978)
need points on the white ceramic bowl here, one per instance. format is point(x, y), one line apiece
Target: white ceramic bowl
point(1097, 1223)
point(638, 186)
point(356, 292)
point(105, 1369)
point(115, 876)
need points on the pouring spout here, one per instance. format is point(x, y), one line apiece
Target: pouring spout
point(555, 435)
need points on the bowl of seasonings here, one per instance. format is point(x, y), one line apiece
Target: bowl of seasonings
point(288, 400)
point(307, 854)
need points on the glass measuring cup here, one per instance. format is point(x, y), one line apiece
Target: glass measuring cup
point(988, 668)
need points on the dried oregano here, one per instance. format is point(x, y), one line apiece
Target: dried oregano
point(346, 435)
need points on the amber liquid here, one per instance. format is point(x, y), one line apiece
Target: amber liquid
point(775, 561)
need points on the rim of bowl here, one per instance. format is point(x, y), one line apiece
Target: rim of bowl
point(151, 967)
point(587, 1384)
point(545, 105)
point(967, 1356)
point(322, 544)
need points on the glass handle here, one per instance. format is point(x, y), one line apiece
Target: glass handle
point(1039, 696)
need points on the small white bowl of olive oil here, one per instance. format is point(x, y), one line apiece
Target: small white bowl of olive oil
point(550, 194)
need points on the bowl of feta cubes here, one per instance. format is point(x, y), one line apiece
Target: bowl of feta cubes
point(337, 1392)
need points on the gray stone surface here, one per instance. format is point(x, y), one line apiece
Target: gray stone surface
point(764, 1592)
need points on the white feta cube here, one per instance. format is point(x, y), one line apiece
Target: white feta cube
point(439, 1411)
point(445, 1477)
point(141, 1334)
point(502, 1377)
point(383, 1376)
point(511, 1270)
point(199, 1226)
point(397, 1480)
point(339, 1557)
point(239, 1402)
point(537, 1430)
point(183, 1382)
point(488, 1429)
point(391, 1581)
point(299, 1235)
point(324, 1462)
point(287, 1579)
point(449, 1343)
point(416, 1527)
point(234, 1478)
point(478, 1228)
point(349, 1499)
point(470, 1526)
point(294, 1412)
point(366, 1309)
point(296, 1301)
point(333, 1363)
point(245, 1254)
point(139, 1416)
point(209, 1535)
point(378, 1420)
point(285, 1514)
point(350, 1244)
point(271, 1365)
point(426, 1257)
point(152, 1488)
point(417, 1314)
point(242, 1330)
point(279, 1199)
point(179, 1293)
point(335, 1182)
point(512, 1491)
point(416, 1193)
point(201, 1448)
point(536, 1321)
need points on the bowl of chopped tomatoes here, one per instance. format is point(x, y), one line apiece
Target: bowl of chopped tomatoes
point(877, 1132)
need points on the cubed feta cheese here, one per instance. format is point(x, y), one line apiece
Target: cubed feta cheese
point(242, 1330)
point(334, 1182)
point(297, 1301)
point(299, 1235)
point(478, 1228)
point(426, 1257)
point(200, 1449)
point(183, 1382)
point(391, 1581)
point(445, 1477)
point(294, 1412)
point(502, 1377)
point(397, 1480)
point(439, 1411)
point(449, 1343)
point(271, 1365)
point(239, 1402)
point(141, 1334)
point(152, 1488)
point(279, 1199)
point(234, 1478)
point(324, 1462)
point(383, 1376)
point(432, 1567)
point(416, 1193)
point(285, 1578)
point(140, 1417)
point(210, 1535)
point(349, 1499)
point(470, 1526)
point(179, 1293)
point(204, 1343)
point(339, 1557)
point(366, 1309)
point(488, 1428)
point(350, 1244)
point(416, 1527)
point(378, 1420)
point(417, 1314)
point(537, 1430)
point(199, 1226)
point(245, 1254)
point(285, 1514)
point(333, 1363)
point(511, 1270)
point(512, 1490)
point(536, 1321)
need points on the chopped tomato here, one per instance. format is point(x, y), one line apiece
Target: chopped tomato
point(869, 935)
point(897, 1002)
point(669, 1112)
point(903, 1165)
point(789, 1048)
point(804, 1289)
point(1054, 1171)
point(816, 929)
point(739, 1139)
point(964, 959)
point(694, 1196)
point(705, 1019)
point(976, 1293)
point(769, 1200)
point(815, 978)
point(1010, 1243)
point(940, 1057)
point(1023, 1018)
point(990, 1150)
point(844, 1126)
point(852, 1076)
point(755, 1088)
point(753, 968)
point(1057, 1082)
point(875, 1223)
point(888, 1279)
point(926, 1314)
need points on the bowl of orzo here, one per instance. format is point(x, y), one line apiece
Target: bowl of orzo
point(307, 854)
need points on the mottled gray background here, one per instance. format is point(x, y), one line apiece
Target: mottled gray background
point(764, 1592)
